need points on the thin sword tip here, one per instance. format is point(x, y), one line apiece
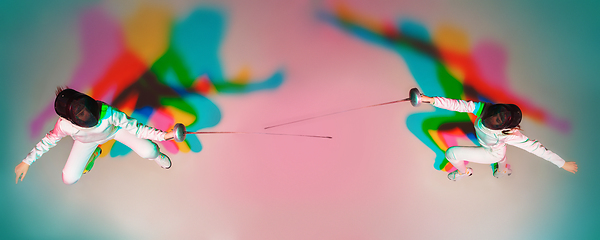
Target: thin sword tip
point(269, 127)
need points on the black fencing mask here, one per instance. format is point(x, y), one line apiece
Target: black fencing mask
point(78, 108)
point(501, 116)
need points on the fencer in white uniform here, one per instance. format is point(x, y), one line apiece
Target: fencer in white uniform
point(91, 123)
point(495, 126)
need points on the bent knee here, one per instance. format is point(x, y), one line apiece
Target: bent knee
point(151, 152)
point(451, 153)
point(70, 179)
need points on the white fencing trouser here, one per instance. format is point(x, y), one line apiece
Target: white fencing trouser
point(477, 154)
point(81, 153)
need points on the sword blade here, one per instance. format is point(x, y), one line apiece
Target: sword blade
point(280, 134)
point(348, 110)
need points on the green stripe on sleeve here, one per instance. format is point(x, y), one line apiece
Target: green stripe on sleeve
point(478, 108)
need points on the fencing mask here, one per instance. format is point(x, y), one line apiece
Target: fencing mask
point(78, 108)
point(501, 116)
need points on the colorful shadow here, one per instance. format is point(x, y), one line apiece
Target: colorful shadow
point(158, 70)
point(443, 64)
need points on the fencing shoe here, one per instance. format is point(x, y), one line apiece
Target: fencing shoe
point(455, 176)
point(163, 161)
point(498, 173)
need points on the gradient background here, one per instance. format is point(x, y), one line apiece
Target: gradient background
point(374, 180)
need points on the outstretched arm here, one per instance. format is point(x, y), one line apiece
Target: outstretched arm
point(49, 141)
point(570, 166)
point(456, 105)
point(519, 140)
point(120, 119)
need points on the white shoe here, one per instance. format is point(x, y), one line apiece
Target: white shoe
point(506, 172)
point(163, 161)
point(455, 176)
